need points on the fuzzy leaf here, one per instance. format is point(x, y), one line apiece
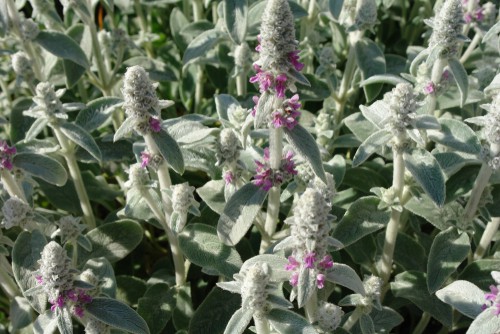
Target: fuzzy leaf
point(457, 135)
point(239, 321)
point(366, 324)
point(223, 102)
point(461, 78)
point(464, 296)
point(212, 193)
point(117, 314)
point(156, 306)
point(306, 286)
point(62, 46)
point(200, 244)
point(448, 250)
point(97, 112)
point(64, 321)
point(235, 19)
point(42, 166)
point(346, 276)
point(170, 150)
point(427, 172)
point(288, 322)
point(82, 138)
point(371, 146)
point(240, 212)
point(46, 323)
point(38, 125)
point(275, 262)
point(305, 145)
point(486, 322)
point(371, 61)
point(199, 46)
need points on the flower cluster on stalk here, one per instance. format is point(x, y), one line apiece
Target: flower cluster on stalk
point(447, 29)
point(56, 276)
point(6, 154)
point(16, 213)
point(278, 64)
point(473, 12)
point(267, 177)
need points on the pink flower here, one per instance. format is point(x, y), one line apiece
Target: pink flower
point(72, 295)
point(266, 177)
point(326, 262)
point(292, 264)
point(255, 100)
point(265, 79)
point(287, 116)
point(6, 153)
point(258, 48)
point(58, 303)
point(228, 177)
point(294, 279)
point(468, 17)
point(281, 85)
point(429, 88)
point(294, 59)
point(492, 296)
point(155, 124)
point(78, 311)
point(84, 298)
point(479, 14)
point(145, 159)
point(39, 279)
point(320, 281)
point(309, 260)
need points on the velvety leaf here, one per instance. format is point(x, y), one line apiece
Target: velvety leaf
point(370, 146)
point(212, 193)
point(82, 138)
point(426, 171)
point(97, 112)
point(390, 79)
point(305, 145)
point(408, 253)
point(412, 285)
point(235, 19)
point(62, 46)
point(346, 276)
point(464, 296)
point(486, 322)
point(46, 323)
point(200, 244)
point(276, 263)
point(20, 313)
point(239, 321)
point(425, 208)
point(156, 306)
point(117, 314)
point(371, 61)
point(448, 250)
point(41, 166)
point(460, 75)
point(240, 212)
point(113, 241)
point(360, 126)
point(362, 218)
point(456, 135)
point(366, 324)
point(306, 286)
point(170, 150)
point(289, 322)
point(130, 289)
point(103, 269)
point(479, 272)
point(223, 102)
point(386, 319)
point(64, 321)
point(212, 316)
point(199, 47)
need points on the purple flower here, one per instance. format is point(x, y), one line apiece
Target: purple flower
point(6, 153)
point(320, 281)
point(287, 116)
point(155, 124)
point(266, 177)
point(294, 59)
point(78, 311)
point(39, 279)
point(429, 88)
point(309, 260)
point(292, 264)
point(72, 295)
point(228, 177)
point(145, 159)
point(479, 14)
point(255, 100)
point(258, 48)
point(58, 303)
point(294, 279)
point(265, 79)
point(288, 165)
point(84, 298)
point(326, 262)
point(492, 296)
point(281, 85)
point(468, 17)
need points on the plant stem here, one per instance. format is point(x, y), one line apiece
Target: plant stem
point(488, 234)
point(76, 176)
point(436, 74)
point(144, 26)
point(241, 84)
point(475, 196)
point(353, 318)
point(197, 10)
point(422, 324)
point(101, 67)
point(10, 184)
point(472, 46)
point(261, 323)
point(6, 282)
point(273, 200)
point(165, 183)
point(391, 232)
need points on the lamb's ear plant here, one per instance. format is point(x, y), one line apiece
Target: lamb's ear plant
point(237, 166)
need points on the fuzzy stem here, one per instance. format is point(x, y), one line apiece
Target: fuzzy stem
point(198, 90)
point(76, 176)
point(273, 200)
point(143, 23)
point(261, 324)
point(488, 234)
point(197, 10)
point(472, 46)
point(241, 84)
point(353, 318)
point(436, 74)
point(96, 49)
point(10, 184)
point(391, 232)
point(311, 307)
point(422, 324)
point(475, 196)
point(6, 281)
point(165, 183)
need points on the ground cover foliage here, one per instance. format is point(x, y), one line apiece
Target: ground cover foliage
point(245, 166)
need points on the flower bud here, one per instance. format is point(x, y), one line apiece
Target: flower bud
point(447, 26)
point(254, 288)
point(366, 14)
point(94, 326)
point(329, 316)
point(29, 30)
point(228, 147)
point(182, 197)
point(22, 64)
point(139, 93)
point(16, 213)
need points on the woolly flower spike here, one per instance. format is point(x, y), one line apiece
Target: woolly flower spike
point(327, 190)
point(309, 239)
point(473, 12)
point(70, 228)
point(254, 288)
point(29, 30)
point(22, 64)
point(366, 14)
point(329, 316)
point(94, 326)
point(55, 273)
point(373, 288)
point(288, 114)
point(228, 147)
point(182, 201)
point(6, 153)
point(16, 213)
point(493, 297)
point(48, 103)
point(266, 177)
point(402, 103)
point(138, 177)
point(447, 28)
point(490, 122)
point(139, 93)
